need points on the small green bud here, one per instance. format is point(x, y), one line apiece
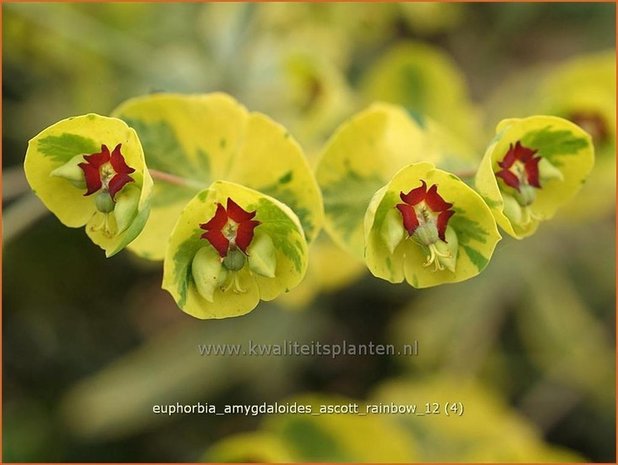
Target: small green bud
point(392, 230)
point(526, 195)
point(235, 259)
point(207, 272)
point(104, 202)
point(262, 258)
point(72, 172)
point(426, 233)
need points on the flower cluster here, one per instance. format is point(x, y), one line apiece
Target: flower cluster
point(397, 203)
point(231, 235)
point(226, 245)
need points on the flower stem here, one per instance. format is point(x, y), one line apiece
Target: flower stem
point(176, 180)
point(469, 174)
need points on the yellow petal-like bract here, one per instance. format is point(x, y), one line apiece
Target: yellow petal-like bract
point(472, 233)
point(210, 137)
point(560, 144)
point(236, 292)
point(51, 167)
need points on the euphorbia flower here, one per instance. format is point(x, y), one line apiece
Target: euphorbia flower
point(533, 166)
point(71, 169)
point(520, 167)
point(250, 249)
point(425, 217)
point(425, 207)
point(105, 171)
point(441, 233)
point(230, 228)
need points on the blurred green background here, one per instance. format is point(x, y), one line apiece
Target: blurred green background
point(89, 344)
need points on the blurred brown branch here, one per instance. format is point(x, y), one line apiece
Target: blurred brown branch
point(22, 214)
point(14, 183)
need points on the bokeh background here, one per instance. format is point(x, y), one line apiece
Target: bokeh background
point(89, 344)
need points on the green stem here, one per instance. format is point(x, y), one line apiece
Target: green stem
point(28, 209)
point(465, 174)
point(176, 180)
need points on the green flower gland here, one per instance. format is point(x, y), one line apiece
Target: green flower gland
point(425, 216)
point(231, 232)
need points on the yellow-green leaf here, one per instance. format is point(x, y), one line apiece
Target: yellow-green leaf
point(563, 337)
point(363, 155)
point(313, 96)
point(332, 437)
point(583, 90)
point(426, 81)
point(203, 138)
point(487, 431)
point(360, 158)
point(250, 447)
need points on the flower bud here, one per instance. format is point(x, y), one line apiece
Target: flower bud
point(426, 234)
point(104, 202)
point(234, 260)
point(525, 195)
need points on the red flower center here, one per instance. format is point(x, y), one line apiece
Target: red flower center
point(106, 171)
point(520, 167)
point(230, 228)
point(425, 207)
